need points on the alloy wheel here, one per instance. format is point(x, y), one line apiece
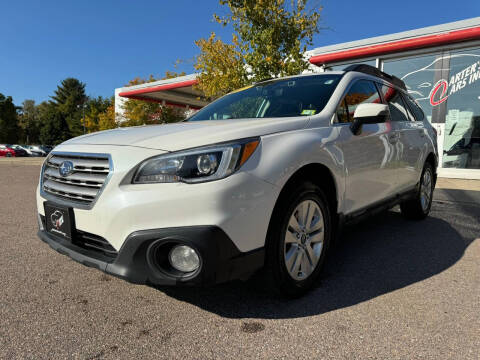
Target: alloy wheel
point(304, 239)
point(426, 190)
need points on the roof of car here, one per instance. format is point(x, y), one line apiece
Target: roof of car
point(360, 68)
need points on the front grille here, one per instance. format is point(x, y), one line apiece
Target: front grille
point(94, 243)
point(83, 184)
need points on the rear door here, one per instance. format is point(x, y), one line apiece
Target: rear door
point(368, 156)
point(407, 138)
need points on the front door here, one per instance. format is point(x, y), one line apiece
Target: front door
point(369, 156)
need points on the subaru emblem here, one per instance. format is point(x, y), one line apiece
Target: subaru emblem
point(66, 168)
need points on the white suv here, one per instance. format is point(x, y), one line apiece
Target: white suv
point(263, 177)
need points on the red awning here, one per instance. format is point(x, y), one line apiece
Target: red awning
point(180, 93)
point(398, 46)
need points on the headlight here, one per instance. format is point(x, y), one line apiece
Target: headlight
point(196, 165)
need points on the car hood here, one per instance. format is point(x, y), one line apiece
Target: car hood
point(183, 135)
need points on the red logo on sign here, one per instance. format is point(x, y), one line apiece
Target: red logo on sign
point(441, 84)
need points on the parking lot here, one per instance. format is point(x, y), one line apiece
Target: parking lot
point(392, 289)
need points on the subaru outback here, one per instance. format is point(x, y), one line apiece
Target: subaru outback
point(261, 179)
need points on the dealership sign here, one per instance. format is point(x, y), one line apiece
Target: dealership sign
point(444, 88)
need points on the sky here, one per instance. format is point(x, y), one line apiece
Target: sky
point(106, 43)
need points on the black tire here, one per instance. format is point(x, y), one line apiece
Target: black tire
point(276, 273)
point(413, 209)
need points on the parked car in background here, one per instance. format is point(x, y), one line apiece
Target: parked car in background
point(46, 148)
point(23, 148)
point(6, 151)
point(36, 150)
point(19, 151)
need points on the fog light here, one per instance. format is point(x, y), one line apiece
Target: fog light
point(184, 258)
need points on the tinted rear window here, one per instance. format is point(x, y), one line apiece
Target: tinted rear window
point(415, 109)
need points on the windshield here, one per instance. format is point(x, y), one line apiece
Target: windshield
point(297, 96)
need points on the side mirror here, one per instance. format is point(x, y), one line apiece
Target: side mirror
point(368, 114)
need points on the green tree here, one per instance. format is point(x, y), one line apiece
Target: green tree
point(28, 121)
point(270, 39)
point(94, 107)
point(69, 99)
point(9, 130)
point(106, 120)
point(221, 66)
point(54, 128)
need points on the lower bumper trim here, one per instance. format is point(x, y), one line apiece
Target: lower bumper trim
point(222, 261)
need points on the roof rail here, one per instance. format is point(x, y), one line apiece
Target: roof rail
point(372, 70)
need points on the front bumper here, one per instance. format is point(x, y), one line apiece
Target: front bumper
point(221, 259)
point(241, 204)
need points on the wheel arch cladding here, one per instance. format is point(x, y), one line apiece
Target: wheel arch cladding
point(319, 175)
point(431, 158)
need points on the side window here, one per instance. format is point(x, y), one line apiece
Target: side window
point(361, 92)
point(407, 108)
point(398, 111)
point(417, 112)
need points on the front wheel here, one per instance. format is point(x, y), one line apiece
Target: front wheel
point(419, 207)
point(298, 240)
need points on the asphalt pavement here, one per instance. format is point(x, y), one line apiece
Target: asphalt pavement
point(392, 289)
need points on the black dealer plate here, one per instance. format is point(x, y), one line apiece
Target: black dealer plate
point(59, 220)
